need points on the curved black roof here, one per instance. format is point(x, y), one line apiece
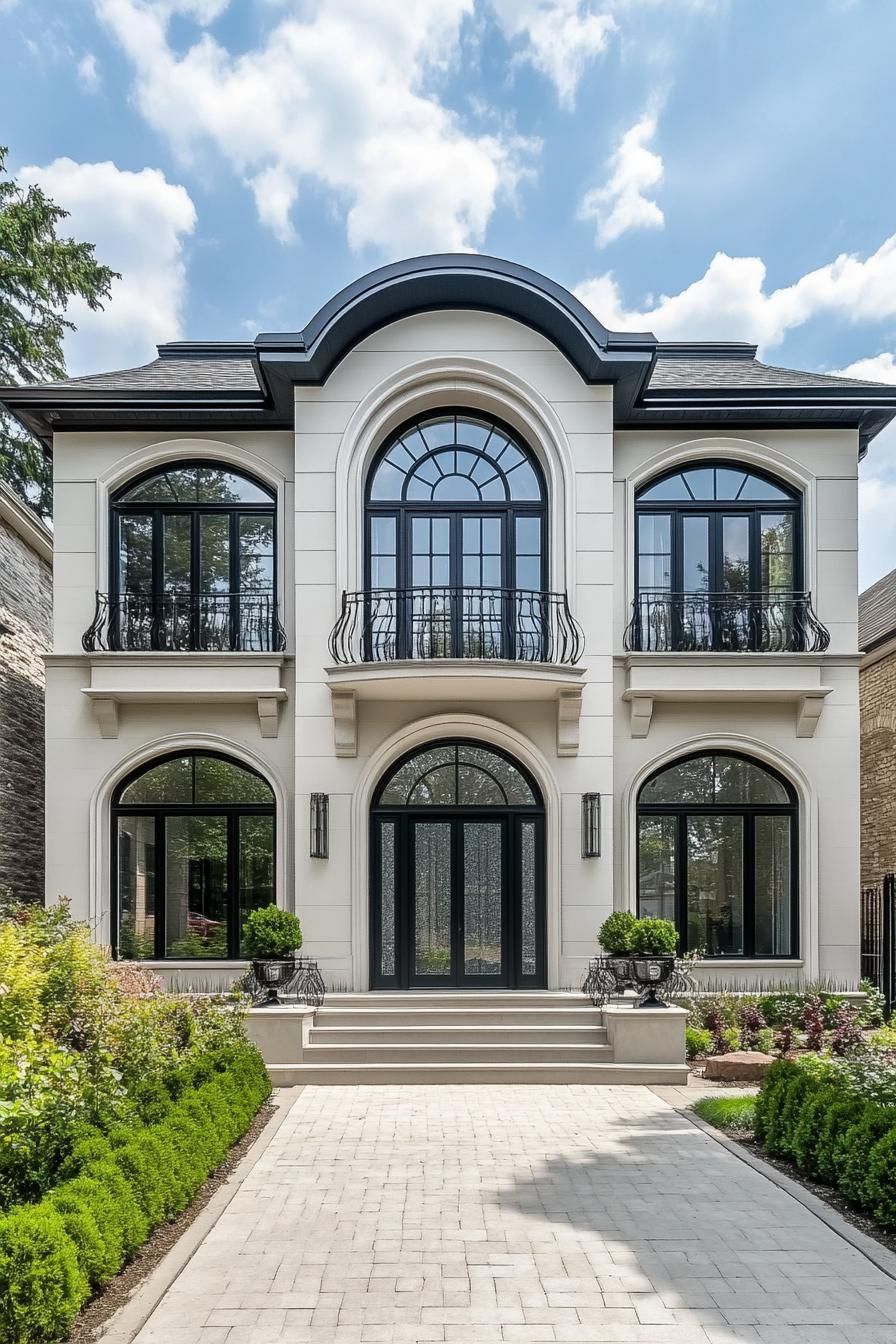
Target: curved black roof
point(246, 383)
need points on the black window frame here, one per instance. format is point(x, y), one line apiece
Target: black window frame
point(403, 510)
point(158, 510)
point(159, 812)
point(679, 509)
point(749, 813)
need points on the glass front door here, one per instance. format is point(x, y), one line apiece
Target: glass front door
point(459, 918)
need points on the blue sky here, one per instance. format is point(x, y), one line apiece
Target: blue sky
point(704, 168)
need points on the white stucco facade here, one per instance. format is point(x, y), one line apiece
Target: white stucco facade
point(308, 724)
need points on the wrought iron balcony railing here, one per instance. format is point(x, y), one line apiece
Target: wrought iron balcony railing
point(382, 625)
point(769, 622)
point(185, 623)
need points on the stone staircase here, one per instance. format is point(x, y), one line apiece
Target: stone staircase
point(453, 1037)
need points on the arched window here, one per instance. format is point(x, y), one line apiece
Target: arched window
point(193, 561)
point(456, 552)
point(717, 854)
point(193, 854)
point(719, 562)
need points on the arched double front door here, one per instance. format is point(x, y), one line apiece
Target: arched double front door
point(457, 872)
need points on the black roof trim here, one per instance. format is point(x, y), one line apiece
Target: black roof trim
point(706, 350)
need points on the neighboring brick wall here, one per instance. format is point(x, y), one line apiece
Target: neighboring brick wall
point(25, 635)
point(877, 702)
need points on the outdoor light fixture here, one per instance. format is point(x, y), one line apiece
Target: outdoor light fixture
point(320, 826)
point(590, 825)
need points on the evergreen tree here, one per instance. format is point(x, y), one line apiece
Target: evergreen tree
point(39, 274)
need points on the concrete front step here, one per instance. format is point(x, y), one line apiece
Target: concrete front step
point(411, 1015)
point(453, 998)
point(453, 1052)
point(377, 1034)
point(359, 1075)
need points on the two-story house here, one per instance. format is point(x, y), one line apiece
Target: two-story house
point(454, 621)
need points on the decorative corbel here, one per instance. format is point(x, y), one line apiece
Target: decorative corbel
point(345, 722)
point(569, 713)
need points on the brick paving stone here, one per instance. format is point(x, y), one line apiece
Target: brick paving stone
point(493, 1215)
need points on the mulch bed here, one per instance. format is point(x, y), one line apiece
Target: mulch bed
point(118, 1290)
point(827, 1193)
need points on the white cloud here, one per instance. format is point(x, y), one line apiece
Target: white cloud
point(877, 508)
point(139, 222)
point(88, 72)
point(560, 37)
point(875, 369)
point(334, 93)
point(730, 299)
point(621, 204)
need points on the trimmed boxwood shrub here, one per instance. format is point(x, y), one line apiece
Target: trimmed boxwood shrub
point(118, 1187)
point(817, 1115)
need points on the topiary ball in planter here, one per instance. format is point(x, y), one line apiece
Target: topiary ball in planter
point(271, 938)
point(655, 938)
point(617, 933)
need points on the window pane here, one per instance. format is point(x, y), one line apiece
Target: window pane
point(740, 781)
point(687, 782)
point(135, 554)
point(773, 887)
point(736, 554)
point(436, 787)
point(256, 553)
point(776, 530)
point(729, 482)
point(757, 488)
point(715, 897)
point(511, 783)
point(655, 552)
point(173, 485)
point(136, 887)
point(702, 482)
point(196, 886)
point(479, 789)
point(695, 560)
point(656, 867)
point(220, 781)
point(169, 782)
point(387, 897)
point(214, 553)
point(432, 898)
point(214, 486)
point(672, 488)
point(483, 897)
point(256, 865)
point(398, 789)
point(528, 907)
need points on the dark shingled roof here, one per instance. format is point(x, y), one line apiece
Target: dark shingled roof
point(171, 375)
point(696, 372)
point(877, 612)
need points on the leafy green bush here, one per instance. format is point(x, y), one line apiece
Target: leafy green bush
point(697, 1041)
point(731, 1113)
point(827, 1115)
point(271, 932)
point(616, 934)
point(124, 1184)
point(655, 937)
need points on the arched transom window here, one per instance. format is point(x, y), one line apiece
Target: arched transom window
point(717, 854)
point(719, 562)
point(193, 854)
point(193, 556)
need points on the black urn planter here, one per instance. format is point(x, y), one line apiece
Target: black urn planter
point(619, 964)
point(271, 974)
point(649, 973)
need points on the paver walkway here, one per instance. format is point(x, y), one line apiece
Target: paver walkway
point(515, 1213)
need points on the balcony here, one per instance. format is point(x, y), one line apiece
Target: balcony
point(458, 645)
point(740, 648)
point(769, 622)
point(184, 623)
point(385, 625)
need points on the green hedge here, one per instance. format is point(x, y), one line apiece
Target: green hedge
point(832, 1134)
point(117, 1187)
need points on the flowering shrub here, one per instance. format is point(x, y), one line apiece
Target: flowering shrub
point(751, 1024)
point(813, 1022)
point(847, 1038)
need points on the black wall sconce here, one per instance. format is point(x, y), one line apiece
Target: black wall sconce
point(590, 825)
point(320, 826)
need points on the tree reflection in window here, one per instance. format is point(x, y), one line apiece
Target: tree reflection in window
point(193, 855)
point(717, 854)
